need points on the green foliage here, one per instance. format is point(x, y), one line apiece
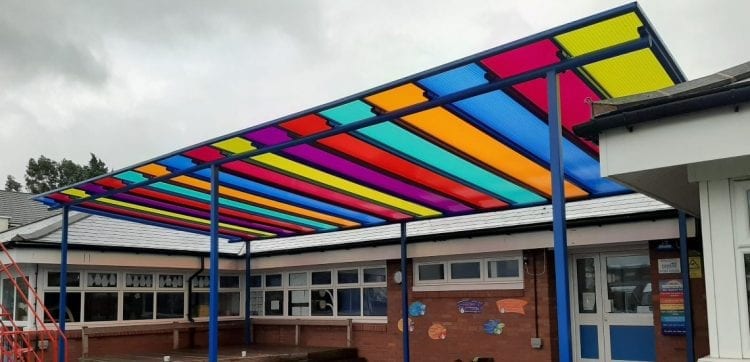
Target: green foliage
point(12, 185)
point(45, 174)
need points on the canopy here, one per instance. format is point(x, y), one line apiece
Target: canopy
point(467, 137)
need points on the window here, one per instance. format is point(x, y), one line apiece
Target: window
point(229, 296)
point(73, 302)
point(466, 270)
point(431, 272)
point(13, 300)
point(346, 292)
point(501, 272)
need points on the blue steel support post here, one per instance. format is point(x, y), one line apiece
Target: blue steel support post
point(685, 267)
point(558, 220)
point(61, 347)
point(213, 300)
point(404, 296)
point(248, 321)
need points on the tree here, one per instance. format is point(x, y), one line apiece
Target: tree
point(45, 174)
point(12, 185)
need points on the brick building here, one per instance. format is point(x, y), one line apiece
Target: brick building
point(307, 289)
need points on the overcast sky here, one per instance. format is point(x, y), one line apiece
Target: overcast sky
point(130, 80)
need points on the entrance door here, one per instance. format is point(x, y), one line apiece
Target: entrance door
point(612, 307)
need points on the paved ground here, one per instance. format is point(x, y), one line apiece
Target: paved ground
point(254, 353)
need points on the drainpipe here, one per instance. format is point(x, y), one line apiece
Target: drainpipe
point(190, 288)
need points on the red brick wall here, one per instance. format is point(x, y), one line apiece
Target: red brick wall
point(673, 348)
point(465, 337)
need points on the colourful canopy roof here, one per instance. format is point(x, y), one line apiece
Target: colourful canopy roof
point(467, 137)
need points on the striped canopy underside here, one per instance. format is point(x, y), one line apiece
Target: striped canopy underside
point(487, 152)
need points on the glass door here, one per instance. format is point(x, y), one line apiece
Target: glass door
point(612, 307)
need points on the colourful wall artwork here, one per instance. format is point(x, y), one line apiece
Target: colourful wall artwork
point(417, 309)
point(437, 331)
point(401, 325)
point(470, 306)
point(494, 327)
point(672, 307)
point(512, 306)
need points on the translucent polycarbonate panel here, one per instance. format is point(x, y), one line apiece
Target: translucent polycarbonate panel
point(354, 171)
point(268, 196)
point(575, 94)
point(132, 176)
point(500, 113)
point(418, 148)
point(307, 173)
point(601, 35)
point(389, 162)
point(632, 73)
point(628, 74)
point(459, 134)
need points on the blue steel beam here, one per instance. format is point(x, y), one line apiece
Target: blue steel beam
point(593, 57)
point(61, 346)
point(213, 299)
point(558, 220)
point(248, 321)
point(685, 267)
point(404, 297)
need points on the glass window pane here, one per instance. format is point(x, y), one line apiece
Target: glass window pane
point(503, 269)
point(373, 275)
point(170, 281)
point(229, 304)
point(349, 301)
point(321, 278)
point(297, 279)
point(256, 303)
point(273, 280)
point(200, 305)
point(629, 284)
point(100, 307)
point(322, 302)
point(139, 280)
point(586, 284)
point(229, 281)
point(201, 281)
point(170, 305)
point(375, 301)
point(138, 305)
point(101, 280)
point(21, 310)
point(7, 296)
point(73, 306)
point(74, 279)
point(274, 302)
point(255, 281)
point(299, 303)
point(466, 270)
point(431, 272)
point(348, 276)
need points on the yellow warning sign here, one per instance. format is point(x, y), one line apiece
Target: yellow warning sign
point(694, 265)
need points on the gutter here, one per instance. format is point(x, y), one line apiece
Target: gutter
point(644, 112)
point(190, 288)
point(653, 215)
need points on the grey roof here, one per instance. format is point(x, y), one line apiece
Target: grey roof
point(21, 209)
point(99, 231)
point(601, 207)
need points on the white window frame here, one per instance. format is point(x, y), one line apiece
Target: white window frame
point(483, 283)
point(207, 289)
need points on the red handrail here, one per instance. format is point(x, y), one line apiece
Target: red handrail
point(38, 310)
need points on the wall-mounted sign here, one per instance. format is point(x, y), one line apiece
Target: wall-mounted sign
point(494, 327)
point(672, 307)
point(695, 267)
point(437, 331)
point(669, 266)
point(470, 306)
point(417, 309)
point(512, 306)
point(400, 325)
